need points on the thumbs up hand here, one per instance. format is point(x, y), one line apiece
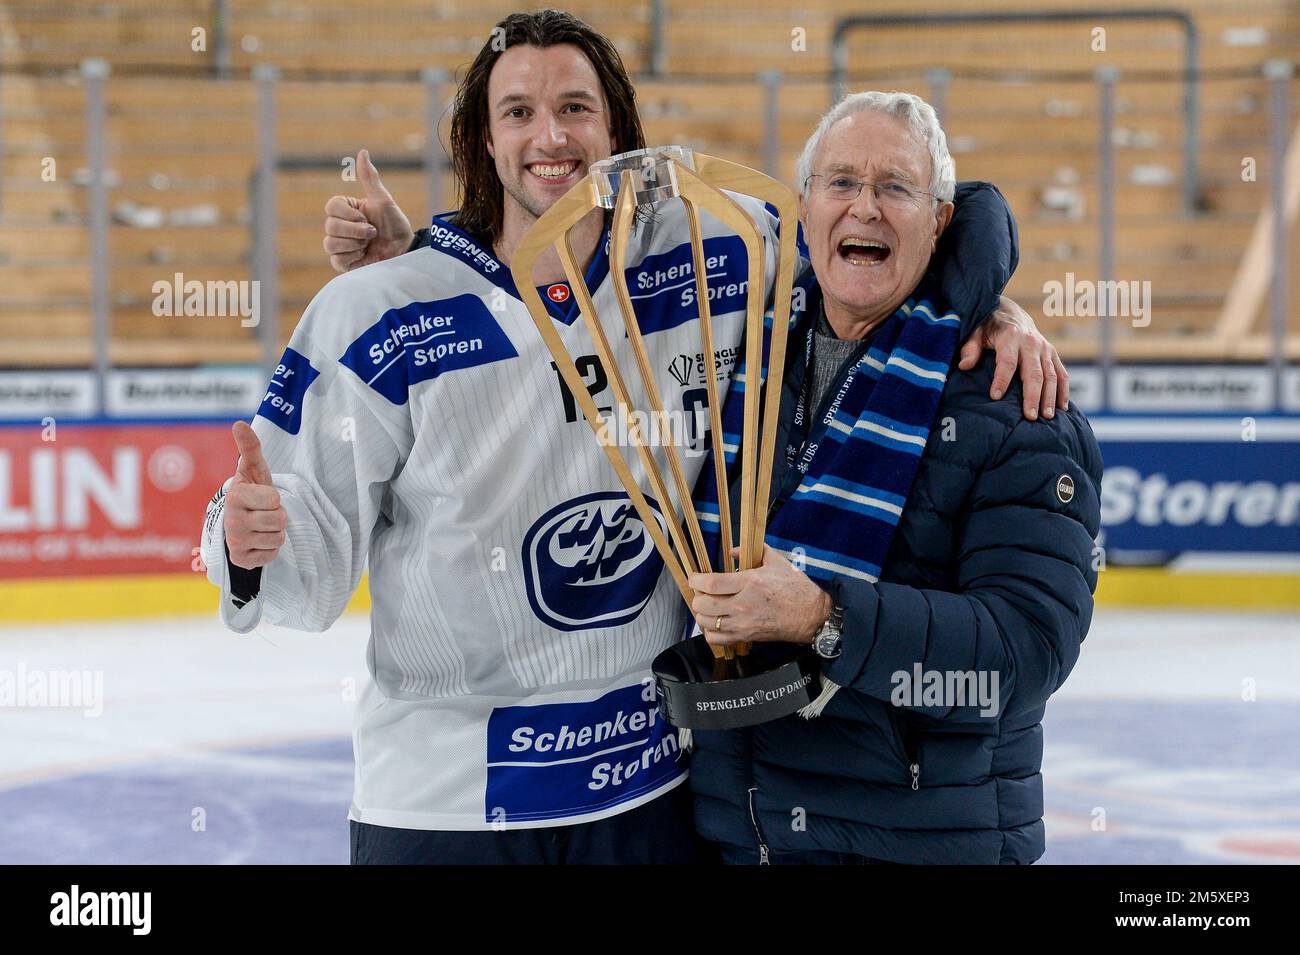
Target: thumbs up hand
point(254, 519)
point(370, 229)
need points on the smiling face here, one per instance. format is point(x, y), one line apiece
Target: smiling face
point(869, 255)
point(548, 122)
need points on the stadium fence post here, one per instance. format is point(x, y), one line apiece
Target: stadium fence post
point(93, 76)
point(1278, 73)
point(2, 130)
point(266, 216)
point(1191, 114)
point(771, 80)
point(434, 81)
point(658, 45)
point(939, 77)
point(1106, 77)
point(221, 39)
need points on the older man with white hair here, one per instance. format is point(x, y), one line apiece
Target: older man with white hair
point(543, 122)
point(933, 547)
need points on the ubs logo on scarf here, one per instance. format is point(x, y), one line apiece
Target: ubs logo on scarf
point(590, 563)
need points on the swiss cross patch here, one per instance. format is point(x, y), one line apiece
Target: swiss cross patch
point(559, 292)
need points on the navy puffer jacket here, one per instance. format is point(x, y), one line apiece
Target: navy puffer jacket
point(991, 570)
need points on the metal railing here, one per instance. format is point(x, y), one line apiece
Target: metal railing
point(772, 111)
point(1191, 47)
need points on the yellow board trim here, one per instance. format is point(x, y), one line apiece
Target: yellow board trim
point(117, 598)
point(54, 600)
point(1157, 587)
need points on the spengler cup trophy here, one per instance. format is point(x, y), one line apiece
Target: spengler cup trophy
point(700, 686)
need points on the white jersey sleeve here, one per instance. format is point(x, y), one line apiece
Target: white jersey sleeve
point(333, 445)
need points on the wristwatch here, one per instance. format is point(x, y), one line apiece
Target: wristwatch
point(826, 642)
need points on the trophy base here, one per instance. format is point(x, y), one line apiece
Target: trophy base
point(692, 696)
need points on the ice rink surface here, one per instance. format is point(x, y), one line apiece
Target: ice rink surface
point(1175, 740)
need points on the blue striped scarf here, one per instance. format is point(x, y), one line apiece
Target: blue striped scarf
point(859, 460)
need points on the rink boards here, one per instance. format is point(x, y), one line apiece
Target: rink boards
point(100, 519)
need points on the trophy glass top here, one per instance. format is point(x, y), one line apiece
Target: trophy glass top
point(653, 176)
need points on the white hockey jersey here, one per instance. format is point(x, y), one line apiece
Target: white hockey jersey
point(417, 421)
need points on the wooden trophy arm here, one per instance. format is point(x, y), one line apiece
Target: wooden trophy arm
point(552, 228)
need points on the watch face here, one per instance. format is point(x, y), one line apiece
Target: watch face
point(828, 644)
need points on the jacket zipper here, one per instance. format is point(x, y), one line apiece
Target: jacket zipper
point(758, 832)
point(910, 750)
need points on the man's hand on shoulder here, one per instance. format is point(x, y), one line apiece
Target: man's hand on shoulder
point(1012, 334)
point(370, 229)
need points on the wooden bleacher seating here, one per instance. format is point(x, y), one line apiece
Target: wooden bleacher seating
point(189, 140)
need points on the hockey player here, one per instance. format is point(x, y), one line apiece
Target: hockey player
point(416, 421)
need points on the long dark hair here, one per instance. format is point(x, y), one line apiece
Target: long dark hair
point(482, 199)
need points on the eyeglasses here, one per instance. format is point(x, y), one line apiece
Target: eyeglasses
point(888, 192)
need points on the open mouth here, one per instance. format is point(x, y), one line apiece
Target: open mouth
point(857, 251)
point(553, 172)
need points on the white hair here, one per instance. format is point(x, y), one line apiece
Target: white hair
point(919, 117)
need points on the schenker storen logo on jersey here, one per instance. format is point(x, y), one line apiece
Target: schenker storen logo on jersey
point(590, 563)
